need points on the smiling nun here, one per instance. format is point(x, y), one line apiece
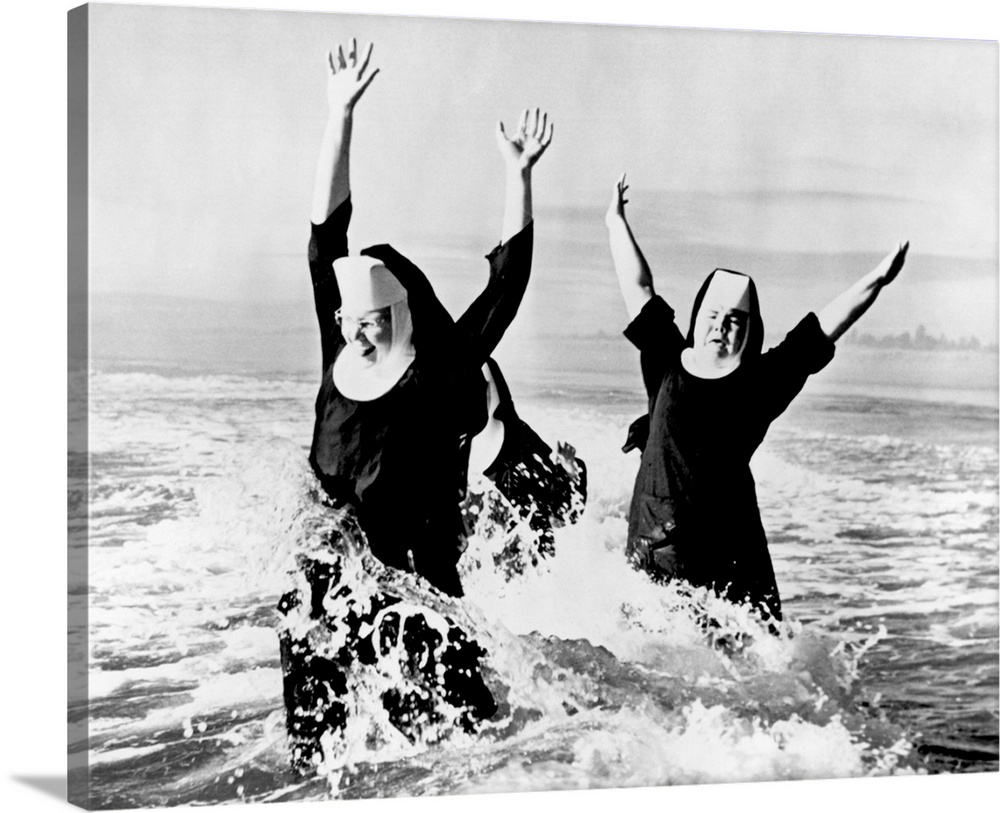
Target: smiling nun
point(401, 389)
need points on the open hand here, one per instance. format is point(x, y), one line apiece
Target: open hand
point(525, 147)
point(565, 456)
point(890, 267)
point(616, 209)
point(346, 80)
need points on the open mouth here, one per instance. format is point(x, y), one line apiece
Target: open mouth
point(362, 350)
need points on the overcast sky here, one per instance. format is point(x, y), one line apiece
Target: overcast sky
point(205, 126)
point(35, 338)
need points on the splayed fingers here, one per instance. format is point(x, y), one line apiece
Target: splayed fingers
point(529, 142)
point(346, 81)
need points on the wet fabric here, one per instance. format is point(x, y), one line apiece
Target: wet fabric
point(347, 626)
point(694, 511)
point(399, 459)
point(541, 491)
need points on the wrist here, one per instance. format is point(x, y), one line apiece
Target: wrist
point(876, 279)
point(340, 115)
point(516, 172)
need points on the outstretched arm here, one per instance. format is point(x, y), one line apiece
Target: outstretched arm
point(837, 317)
point(347, 79)
point(520, 152)
point(634, 277)
point(490, 314)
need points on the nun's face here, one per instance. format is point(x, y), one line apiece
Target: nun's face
point(368, 334)
point(720, 334)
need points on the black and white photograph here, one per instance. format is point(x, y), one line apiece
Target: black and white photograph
point(487, 406)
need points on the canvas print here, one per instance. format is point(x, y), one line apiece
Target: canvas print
point(469, 406)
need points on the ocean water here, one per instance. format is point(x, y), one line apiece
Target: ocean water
point(882, 513)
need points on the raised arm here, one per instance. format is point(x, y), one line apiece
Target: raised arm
point(634, 277)
point(520, 152)
point(837, 317)
point(347, 79)
point(485, 321)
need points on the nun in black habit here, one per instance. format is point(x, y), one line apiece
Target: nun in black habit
point(545, 489)
point(400, 394)
point(401, 388)
point(712, 395)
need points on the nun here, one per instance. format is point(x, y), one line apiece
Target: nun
point(712, 394)
point(401, 389)
point(546, 489)
point(401, 394)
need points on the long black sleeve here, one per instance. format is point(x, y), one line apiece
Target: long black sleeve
point(655, 334)
point(327, 243)
point(485, 321)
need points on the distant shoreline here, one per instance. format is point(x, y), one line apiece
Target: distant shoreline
point(611, 380)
